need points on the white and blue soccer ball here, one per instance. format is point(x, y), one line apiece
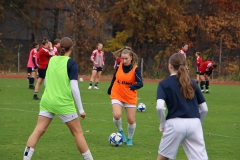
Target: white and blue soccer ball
point(115, 139)
point(141, 107)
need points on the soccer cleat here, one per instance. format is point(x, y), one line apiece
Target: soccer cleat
point(129, 142)
point(202, 91)
point(95, 87)
point(207, 91)
point(90, 87)
point(36, 98)
point(123, 136)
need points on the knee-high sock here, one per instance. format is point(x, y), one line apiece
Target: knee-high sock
point(202, 83)
point(118, 124)
point(207, 84)
point(131, 130)
point(87, 155)
point(27, 155)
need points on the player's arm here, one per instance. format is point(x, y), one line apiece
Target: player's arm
point(161, 111)
point(93, 57)
point(113, 80)
point(73, 76)
point(203, 110)
point(139, 80)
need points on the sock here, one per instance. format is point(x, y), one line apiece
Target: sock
point(35, 94)
point(118, 124)
point(28, 77)
point(96, 84)
point(87, 155)
point(131, 130)
point(31, 80)
point(90, 84)
point(202, 83)
point(27, 155)
point(207, 84)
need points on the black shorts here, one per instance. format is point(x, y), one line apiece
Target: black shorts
point(41, 73)
point(30, 70)
point(206, 72)
point(98, 69)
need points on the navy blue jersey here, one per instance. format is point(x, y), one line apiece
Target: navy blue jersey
point(72, 69)
point(169, 91)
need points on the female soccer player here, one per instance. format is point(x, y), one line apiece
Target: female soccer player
point(32, 65)
point(183, 50)
point(205, 70)
point(186, 110)
point(123, 91)
point(198, 63)
point(117, 62)
point(44, 55)
point(58, 98)
point(98, 59)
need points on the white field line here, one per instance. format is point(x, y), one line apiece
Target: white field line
point(209, 134)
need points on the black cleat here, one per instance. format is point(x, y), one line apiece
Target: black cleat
point(36, 98)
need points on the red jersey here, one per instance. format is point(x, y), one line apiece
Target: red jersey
point(206, 66)
point(44, 57)
point(99, 57)
point(183, 52)
point(199, 61)
point(55, 48)
point(33, 53)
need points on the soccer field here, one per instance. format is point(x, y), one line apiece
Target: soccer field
point(19, 112)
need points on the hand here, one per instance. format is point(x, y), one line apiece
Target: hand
point(95, 62)
point(83, 115)
point(49, 45)
point(161, 129)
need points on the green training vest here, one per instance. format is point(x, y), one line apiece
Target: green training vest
point(57, 97)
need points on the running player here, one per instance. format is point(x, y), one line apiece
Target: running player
point(98, 59)
point(45, 53)
point(205, 71)
point(32, 65)
point(186, 110)
point(198, 63)
point(58, 98)
point(123, 91)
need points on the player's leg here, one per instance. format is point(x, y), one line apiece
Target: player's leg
point(160, 157)
point(76, 130)
point(42, 124)
point(33, 75)
point(42, 74)
point(94, 72)
point(193, 144)
point(117, 117)
point(207, 77)
point(202, 83)
point(197, 76)
point(130, 113)
point(99, 73)
point(29, 71)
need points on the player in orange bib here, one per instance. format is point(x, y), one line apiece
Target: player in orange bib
point(123, 91)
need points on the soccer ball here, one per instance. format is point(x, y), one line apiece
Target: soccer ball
point(141, 107)
point(115, 139)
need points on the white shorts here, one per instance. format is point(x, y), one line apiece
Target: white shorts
point(123, 104)
point(185, 131)
point(64, 117)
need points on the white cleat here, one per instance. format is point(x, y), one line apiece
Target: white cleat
point(95, 87)
point(90, 87)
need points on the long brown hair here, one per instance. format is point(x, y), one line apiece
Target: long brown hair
point(178, 62)
point(127, 50)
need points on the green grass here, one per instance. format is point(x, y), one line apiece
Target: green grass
point(18, 116)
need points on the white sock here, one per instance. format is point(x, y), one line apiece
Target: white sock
point(27, 155)
point(131, 130)
point(87, 155)
point(118, 123)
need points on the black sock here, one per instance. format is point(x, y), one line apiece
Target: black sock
point(207, 84)
point(35, 94)
point(90, 84)
point(96, 84)
point(31, 79)
point(202, 83)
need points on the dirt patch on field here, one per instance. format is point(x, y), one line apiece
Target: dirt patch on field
point(109, 78)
